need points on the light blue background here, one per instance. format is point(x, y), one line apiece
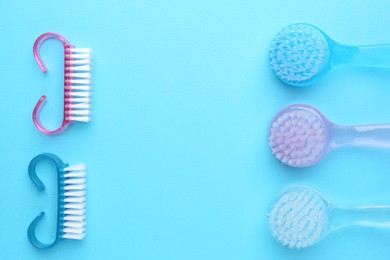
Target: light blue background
point(177, 156)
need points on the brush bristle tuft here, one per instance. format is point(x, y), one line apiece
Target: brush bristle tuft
point(74, 208)
point(298, 54)
point(299, 218)
point(297, 137)
point(78, 85)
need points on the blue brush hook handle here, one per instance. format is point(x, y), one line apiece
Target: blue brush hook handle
point(35, 179)
point(32, 237)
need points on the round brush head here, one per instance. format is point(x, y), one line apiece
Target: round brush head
point(299, 217)
point(299, 54)
point(298, 136)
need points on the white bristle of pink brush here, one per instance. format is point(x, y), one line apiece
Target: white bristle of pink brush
point(78, 84)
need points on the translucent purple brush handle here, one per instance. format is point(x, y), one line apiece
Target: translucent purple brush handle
point(367, 135)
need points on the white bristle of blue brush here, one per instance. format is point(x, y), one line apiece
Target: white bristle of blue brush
point(299, 53)
point(299, 219)
point(297, 137)
point(78, 80)
point(74, 214)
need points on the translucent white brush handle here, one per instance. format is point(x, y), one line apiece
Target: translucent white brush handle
point(366, 135)
point(366, 55)
point(369, 216)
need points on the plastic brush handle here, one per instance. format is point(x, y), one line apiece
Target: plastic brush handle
point(366, 135)
point(35, 179)
point(365, 55)
point(369, 216)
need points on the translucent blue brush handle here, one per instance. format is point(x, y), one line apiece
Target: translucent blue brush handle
point(367, 135)
point(373, 56)
point(369, 216)
point(367, 56)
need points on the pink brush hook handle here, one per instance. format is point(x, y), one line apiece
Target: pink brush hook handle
point(37, 47)
point(37, 121)
point(41, 64)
